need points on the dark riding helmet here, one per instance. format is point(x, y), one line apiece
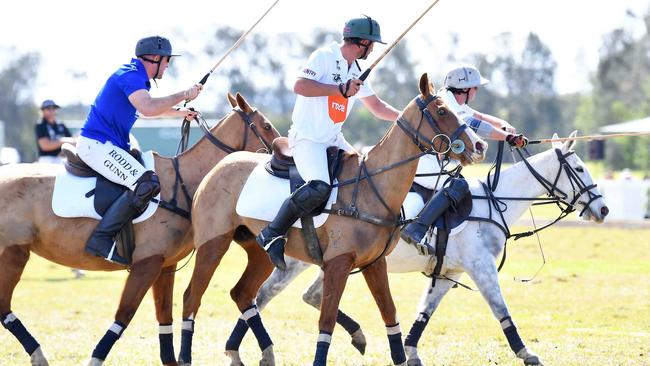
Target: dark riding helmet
point(155, 45)
point(363, 28)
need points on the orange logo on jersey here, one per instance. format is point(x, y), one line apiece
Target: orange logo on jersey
point(337, 108)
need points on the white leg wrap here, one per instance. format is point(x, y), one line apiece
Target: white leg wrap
point(165, 329)
point(249, 314)
point(395, 329)
point(324, 338)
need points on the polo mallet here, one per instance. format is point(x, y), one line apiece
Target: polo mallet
point(234, 46)
point(589, 137)
point(392, 45)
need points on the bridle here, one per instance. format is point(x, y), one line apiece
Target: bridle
point(555, 195)
point(454, 143)
point(247, 119)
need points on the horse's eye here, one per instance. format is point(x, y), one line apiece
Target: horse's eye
point(580, 169)
point(267, 126)
point(442, 111)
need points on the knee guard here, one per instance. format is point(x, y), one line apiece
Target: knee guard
point(456, 190)
point(310, 195)
point(147, 187)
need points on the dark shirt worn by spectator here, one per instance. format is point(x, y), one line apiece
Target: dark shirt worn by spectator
point(53, 131)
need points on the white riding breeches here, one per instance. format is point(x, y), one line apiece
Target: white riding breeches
point(114, 163)
point(311, 157)
point(46, 159)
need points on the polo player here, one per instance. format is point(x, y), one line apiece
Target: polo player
point(327, 87)
point(104, 143)
point(460, 88)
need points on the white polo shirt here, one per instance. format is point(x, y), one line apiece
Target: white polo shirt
point(320, 119)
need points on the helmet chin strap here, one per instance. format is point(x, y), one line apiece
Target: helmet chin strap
point(157, 67)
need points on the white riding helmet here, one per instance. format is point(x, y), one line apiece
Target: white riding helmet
point(464, 77)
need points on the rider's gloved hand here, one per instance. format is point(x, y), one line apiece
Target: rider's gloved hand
point(519, 141)
point(193, 92)
point(350, 88)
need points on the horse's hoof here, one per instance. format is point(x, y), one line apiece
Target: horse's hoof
point(359, 341)
point(268, 358)
point(95, 362)
point(38, 359)
point(414, 362)
point(533, 361)
point(235, 360)
point(529, 357)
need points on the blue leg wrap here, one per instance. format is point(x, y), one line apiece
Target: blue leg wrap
point(166, 338)
point(185, 356)
point(395, 342)
point(509, 329)
point(16, 327)
point(322, 347)
point(416, 331)
point(237, 335)
point(254, 321)
point(108, 340)
point(346, 322)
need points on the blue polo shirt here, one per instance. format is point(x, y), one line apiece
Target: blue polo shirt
point(112, 115)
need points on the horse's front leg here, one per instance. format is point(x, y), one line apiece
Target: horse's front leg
point(483, 271)
point(428, 304)
point(142, 276)
point(376, 276)
point(336, 275)
point(313, 296)
point(163, 295)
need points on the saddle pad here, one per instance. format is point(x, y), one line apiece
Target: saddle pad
point(263, 194)
point(412, 206)
point(69, 196)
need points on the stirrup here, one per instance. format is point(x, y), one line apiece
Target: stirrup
point(109, 256)
point(423, 247)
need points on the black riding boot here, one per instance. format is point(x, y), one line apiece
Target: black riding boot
point(303, 201)
point(101, 243)
point(414, 232)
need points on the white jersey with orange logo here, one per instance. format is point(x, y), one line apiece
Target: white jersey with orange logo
point(320, 119)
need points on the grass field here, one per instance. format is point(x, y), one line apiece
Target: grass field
point(590, 305)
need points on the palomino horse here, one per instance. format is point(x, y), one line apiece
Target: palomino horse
point(388, 171)
point(29, 225)
point(471, 254)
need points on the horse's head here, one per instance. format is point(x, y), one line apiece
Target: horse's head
point(576, 182)
point(256, 130)
point(436, 128)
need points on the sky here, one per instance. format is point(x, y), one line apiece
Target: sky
point(82, 42)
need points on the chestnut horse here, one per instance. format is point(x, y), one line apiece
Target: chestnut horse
point(27, 224)
point(387, 173)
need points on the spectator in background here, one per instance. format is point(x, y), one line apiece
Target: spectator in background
point(50, 134)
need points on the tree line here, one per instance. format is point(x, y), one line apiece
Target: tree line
point(526, 94)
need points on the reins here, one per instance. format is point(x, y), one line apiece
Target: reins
point(363, 173)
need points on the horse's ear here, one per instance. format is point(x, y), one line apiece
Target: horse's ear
point(556, 145)
point(232, 100)
point(243, 104)
point(568, 145)
point(424, 85)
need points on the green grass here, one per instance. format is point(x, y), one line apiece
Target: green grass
point(590, 305)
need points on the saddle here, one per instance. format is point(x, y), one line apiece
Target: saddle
point(452, 218)
point(105, 193)
point(281, 165)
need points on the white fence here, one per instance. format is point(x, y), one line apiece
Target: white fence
point(626, 199)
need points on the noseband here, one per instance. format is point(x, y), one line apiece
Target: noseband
point(454, 143)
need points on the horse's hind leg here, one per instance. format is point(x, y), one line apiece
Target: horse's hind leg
point(483, 272)
point(314, 295)
point(336, 275)
point(142, 276)
point(208, 257)
point(376, 276)
point(163, 293)
point(12, 262)
point(428, 304)
point(258, 269)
